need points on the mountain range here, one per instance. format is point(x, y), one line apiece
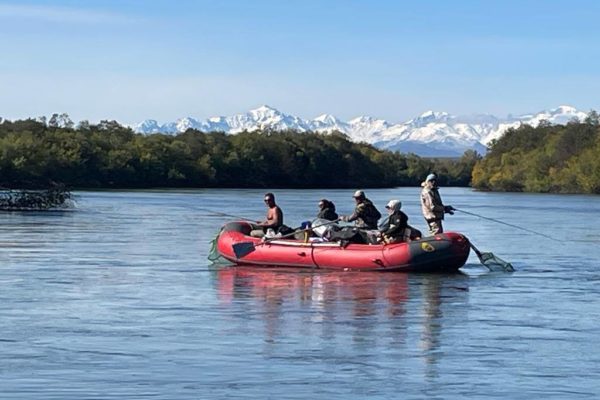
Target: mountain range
point(431, 134)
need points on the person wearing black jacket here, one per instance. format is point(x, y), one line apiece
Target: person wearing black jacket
point(327, 210)
point(396, 229)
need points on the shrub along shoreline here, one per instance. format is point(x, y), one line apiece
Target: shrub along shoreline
point(108, 155)
point(545, 159)
point(35, 154)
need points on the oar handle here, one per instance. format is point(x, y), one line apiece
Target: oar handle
point(302, 230)
point(475, 249)
point(241, 249)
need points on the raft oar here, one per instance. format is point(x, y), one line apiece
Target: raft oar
point(242, 249)
point(491, 261)
point(507, 224)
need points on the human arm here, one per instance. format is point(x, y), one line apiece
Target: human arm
point(397, 223)
point(431, 202)
point(358, 213)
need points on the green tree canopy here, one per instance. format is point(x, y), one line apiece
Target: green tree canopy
point(548, 158)
point(107, 154)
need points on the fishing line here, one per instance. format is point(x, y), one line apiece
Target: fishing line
point(222, 214)
point(511, 225)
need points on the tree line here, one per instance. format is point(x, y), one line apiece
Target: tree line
point(36, 153)
point(548, 158)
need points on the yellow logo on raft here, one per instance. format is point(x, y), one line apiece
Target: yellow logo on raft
point(427, 247)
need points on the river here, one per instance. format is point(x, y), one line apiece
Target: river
point(116, 300)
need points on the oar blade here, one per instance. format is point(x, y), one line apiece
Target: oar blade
point(242, 249)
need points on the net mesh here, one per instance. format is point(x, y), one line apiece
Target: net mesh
point(495, 263)
point(213, 254)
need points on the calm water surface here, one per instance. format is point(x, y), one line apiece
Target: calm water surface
point(116, 300)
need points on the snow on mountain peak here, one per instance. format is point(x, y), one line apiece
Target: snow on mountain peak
point(326, 118)
point(429, 117)
point(265, 110)
point(430, 134)
point(361, 120)
point(564, 110)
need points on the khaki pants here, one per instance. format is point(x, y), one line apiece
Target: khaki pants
point(435, 226)
point(257, 233)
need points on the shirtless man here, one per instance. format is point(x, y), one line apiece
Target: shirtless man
point(274, 217)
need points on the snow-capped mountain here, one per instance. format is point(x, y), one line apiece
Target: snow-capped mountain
point(429, 134)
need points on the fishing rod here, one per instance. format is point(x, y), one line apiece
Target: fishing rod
point(507, 224)
point(222, 214)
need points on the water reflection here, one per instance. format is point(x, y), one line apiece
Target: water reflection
point(431, 324)
point(318, 289)
point(399, 313)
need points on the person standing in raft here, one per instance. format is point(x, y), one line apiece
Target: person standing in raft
point(327, 210)
point(365, 214)
point(396, 228)
point(274, 218)
point(432, 206)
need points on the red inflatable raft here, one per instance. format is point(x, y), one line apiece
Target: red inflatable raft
point(440, 253)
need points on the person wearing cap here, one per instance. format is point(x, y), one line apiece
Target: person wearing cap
point(274, 219)
point(327, 210)
point(394, 230)
point(432, 206)
point(365, 214)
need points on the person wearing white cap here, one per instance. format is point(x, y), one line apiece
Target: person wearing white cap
point(432, 206)
point(365, 214)
point(394, 229)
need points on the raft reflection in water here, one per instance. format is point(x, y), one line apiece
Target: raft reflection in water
point(400, 313)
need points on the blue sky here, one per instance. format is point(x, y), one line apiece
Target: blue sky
point(131, 60)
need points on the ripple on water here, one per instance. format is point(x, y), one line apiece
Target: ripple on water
point(116, 301)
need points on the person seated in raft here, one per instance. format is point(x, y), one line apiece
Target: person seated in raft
point(274, 219)
point(327, 210)
point(396, 228)
point(365, 214)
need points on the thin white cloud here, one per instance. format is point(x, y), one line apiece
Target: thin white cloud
point(62, 14)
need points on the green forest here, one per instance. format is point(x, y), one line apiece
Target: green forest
point(36, 154)
point(548, 158)
point(41, 154)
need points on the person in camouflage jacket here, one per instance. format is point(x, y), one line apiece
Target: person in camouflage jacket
point(365, 214)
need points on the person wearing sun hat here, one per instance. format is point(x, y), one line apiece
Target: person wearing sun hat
point(432, 206)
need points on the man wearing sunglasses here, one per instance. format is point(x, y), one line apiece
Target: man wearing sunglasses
point(274, 219)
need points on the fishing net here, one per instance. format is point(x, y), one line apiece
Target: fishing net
point(213, 254)
point(492, 261)
point(495, 263)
